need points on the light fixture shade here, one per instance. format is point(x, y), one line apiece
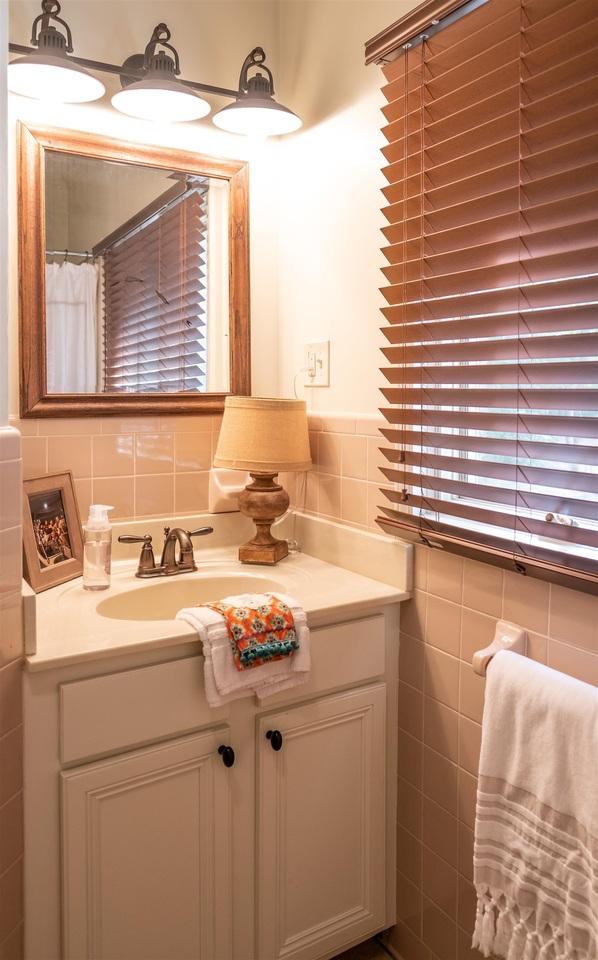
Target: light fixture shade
point(263, 436)
point(52, 78)
point(255, 116)
point(160, 99)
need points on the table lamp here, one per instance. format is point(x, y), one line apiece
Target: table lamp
point(263, 437)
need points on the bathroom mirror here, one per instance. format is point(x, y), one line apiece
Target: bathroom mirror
point(133, 264)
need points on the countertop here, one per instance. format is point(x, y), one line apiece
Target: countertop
point(69, 628)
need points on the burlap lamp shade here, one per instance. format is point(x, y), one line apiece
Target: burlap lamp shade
point(263, 437)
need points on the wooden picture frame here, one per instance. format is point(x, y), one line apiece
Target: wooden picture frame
point(35, 401)
point(52, 533)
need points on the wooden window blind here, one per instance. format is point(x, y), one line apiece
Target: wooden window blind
point(492, 317)
point(155, 337)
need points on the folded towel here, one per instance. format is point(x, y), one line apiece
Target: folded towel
point(258, 632)
point(223, 681)
point(536, 830)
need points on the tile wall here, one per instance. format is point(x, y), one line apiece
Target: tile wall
point(11, 653)
point(144, 467)
point(159, 466)
point(453, 612)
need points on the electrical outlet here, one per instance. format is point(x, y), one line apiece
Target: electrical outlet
point(317, 364)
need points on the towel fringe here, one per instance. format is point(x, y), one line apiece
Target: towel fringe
point(505, 930)
point(518, 942)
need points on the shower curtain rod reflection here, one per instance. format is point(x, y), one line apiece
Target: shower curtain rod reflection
point(85, 254)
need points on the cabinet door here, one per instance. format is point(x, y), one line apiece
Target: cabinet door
point(146, 854)
point(321, 825)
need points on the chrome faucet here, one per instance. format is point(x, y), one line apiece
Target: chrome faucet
point(169, 565)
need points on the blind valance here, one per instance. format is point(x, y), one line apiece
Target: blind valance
point(492, 286)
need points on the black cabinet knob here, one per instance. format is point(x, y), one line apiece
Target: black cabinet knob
point(275, 738)
point(227, 754)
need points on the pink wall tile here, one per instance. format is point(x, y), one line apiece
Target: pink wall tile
point(11, 764)
point(445, 575)
point(441, 676)
point(354, 457)
point(11, 640)
point(154, 453)
point(329, 454)
point(118, 492)
point(113, 455)
point(11, 501)
point(70, 453)
point(154, 495)
point(193, 451)
point(191, 492)
point(35, 457)
point(329, 496)
point(440, 832)
point(443, 625)
point(353, 501)
point(526, 602)
point(11, 651)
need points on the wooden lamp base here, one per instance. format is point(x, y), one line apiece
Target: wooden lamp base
point(264, 501)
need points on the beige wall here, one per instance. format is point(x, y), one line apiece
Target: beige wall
point(11, 730)
point(330, 197)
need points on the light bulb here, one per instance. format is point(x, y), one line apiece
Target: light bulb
point(257, 118)
point(52, 79)
point(161, 100)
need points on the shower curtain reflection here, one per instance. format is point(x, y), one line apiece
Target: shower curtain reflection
point(71, 327)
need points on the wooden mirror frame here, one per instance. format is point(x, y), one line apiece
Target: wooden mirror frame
point(34, 398)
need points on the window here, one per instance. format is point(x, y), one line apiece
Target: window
point(492, 297)
point(155, 337)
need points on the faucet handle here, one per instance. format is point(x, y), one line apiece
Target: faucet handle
point(147, 562)
point(200, 532)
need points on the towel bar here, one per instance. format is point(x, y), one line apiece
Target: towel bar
point(507, 636)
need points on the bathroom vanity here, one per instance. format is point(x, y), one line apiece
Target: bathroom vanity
point(157, 827)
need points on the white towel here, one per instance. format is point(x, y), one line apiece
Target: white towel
point(536, 831)
point(223, 682)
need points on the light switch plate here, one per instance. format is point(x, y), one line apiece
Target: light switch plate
point(317, 364)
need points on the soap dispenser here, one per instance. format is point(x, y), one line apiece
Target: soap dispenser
point(97, 548)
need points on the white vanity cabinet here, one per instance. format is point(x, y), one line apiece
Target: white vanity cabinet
point(143, 844)
point(321, 836)
point(146, 854)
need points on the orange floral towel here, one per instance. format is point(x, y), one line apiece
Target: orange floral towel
point(261, 633)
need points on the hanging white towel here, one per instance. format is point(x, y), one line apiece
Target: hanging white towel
point(223, 682)
point(536, 831)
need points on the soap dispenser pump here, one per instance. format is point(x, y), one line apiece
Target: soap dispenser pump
point(97, 548)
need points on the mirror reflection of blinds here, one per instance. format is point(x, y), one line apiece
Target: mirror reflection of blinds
point(492, 316)
point(155, 303)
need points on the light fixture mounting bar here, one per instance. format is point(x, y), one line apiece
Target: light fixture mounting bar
point(119, 70)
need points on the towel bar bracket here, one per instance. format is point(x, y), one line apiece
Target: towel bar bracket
point(507, 636)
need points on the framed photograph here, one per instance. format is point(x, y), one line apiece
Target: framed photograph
point(52, 535)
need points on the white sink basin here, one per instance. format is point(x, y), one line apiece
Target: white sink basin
point(161, 599)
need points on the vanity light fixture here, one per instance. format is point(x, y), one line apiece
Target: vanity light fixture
point(47, 72)
point(160, 96)
point(152, 88)
point(255, 112)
